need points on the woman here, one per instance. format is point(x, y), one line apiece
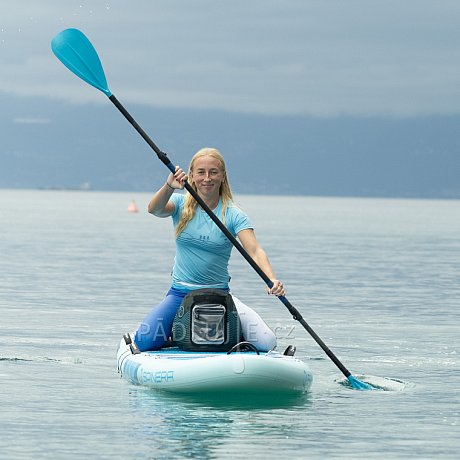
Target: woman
point(203, 251)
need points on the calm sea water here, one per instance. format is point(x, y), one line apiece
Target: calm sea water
point(378, 280)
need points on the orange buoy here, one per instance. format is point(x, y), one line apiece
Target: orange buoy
point(133, 207)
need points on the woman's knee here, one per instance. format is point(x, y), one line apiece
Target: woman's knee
point(255, 329)
point(155, 329)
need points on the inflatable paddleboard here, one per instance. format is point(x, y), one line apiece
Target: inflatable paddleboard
point(178, 371)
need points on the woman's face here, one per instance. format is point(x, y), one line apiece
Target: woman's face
point(208, 176)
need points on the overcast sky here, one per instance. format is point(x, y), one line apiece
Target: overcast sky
point(320, 58)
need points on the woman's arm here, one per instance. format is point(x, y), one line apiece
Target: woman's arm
point(254, 249)
point(160, 205)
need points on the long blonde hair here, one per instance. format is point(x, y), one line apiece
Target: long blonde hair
point(190, 204)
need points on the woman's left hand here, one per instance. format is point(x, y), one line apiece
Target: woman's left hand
point(277, 288)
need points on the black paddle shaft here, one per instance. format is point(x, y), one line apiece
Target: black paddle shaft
point(294, 312)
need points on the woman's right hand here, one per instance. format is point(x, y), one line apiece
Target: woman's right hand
point(177, 180)
point(160, 204)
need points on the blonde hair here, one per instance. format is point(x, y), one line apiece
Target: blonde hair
point(190, 204)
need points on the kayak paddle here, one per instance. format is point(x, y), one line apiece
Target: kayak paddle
point(77, 53)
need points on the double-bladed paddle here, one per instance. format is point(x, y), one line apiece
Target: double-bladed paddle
point(77, 53)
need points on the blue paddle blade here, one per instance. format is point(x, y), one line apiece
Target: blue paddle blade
point(358, 384)
point(77, 53)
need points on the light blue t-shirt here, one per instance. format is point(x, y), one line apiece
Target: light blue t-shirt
point(202, 250)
